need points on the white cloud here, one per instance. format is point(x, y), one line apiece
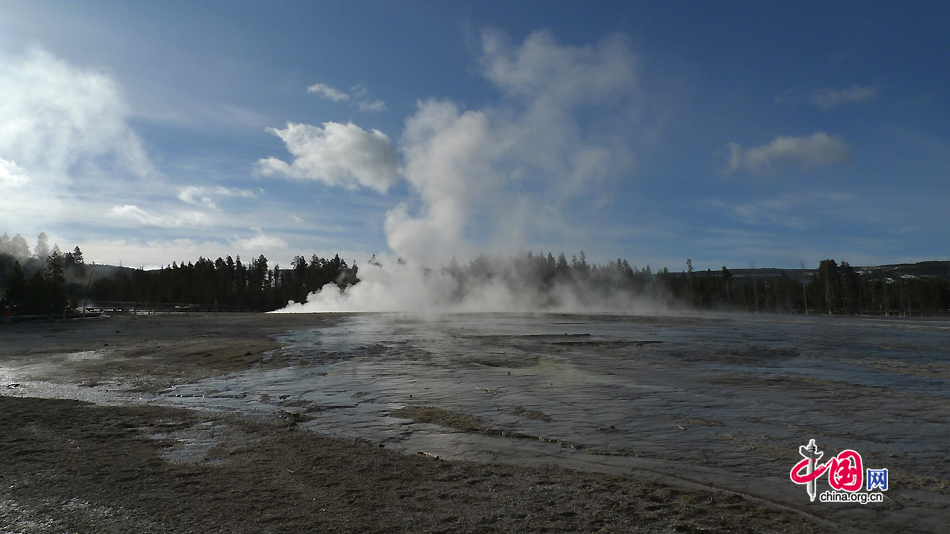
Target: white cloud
point(789, 152)
point(789, 210)
point(204, 196)
point(375, 105)
point(797, 211)
point(157, 253)
point(328, 92)
point(258, 242)
point(541, 69)
point(358, 94)
point(829, 97)
point(136, 215)
point(337, 154)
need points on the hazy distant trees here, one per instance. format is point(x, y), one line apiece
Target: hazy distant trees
point(42, 246)
point(544, 282)
point(832, 288)
point(36, 283)
point(16, 247)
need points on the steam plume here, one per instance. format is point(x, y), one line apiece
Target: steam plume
point(497, 178)
point(523, 283)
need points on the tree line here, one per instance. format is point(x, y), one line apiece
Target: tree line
point(57, 282)
point(832, 288)
point(49, 281)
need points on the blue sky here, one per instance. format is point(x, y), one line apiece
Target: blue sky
point(724, 132)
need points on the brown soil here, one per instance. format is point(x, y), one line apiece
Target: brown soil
point(70, 466)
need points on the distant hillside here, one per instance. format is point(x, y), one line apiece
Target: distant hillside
point(923, 269)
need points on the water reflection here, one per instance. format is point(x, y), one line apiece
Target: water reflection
point(723, 401)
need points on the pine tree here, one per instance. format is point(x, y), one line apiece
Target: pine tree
point(56, 275)
point(16, 286)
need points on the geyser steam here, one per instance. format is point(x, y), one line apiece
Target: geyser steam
point(525, 171)
point(490, 284)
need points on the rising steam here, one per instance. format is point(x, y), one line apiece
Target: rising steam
point(524, 283)
point(522, 172)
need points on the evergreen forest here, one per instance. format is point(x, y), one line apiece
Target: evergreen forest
point(47, 281)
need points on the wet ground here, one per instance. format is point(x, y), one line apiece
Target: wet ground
point(719, 401)
point(714, 401)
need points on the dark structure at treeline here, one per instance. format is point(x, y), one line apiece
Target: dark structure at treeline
point(63, 281)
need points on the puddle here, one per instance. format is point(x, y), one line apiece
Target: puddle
point(13, 384)
point(84, 355)
point(192, 445)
